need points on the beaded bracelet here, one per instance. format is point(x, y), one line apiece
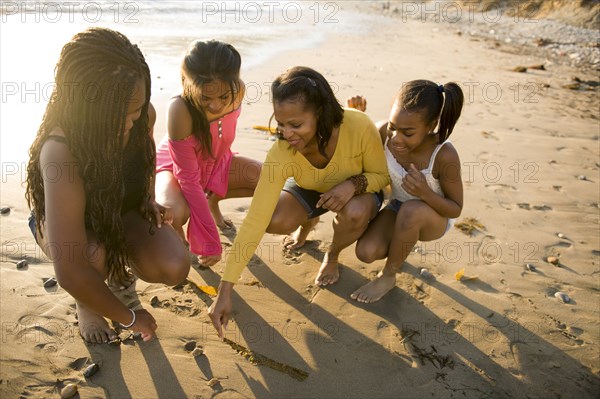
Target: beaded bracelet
point(132, 321)
point(360, 183)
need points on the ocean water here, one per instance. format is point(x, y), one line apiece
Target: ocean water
point(32, 34)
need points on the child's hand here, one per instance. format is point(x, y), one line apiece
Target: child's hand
point(414, 182)
point(144, 324)
point(357, 102)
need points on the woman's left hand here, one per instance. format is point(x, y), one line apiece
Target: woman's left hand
point(414, 182)
point(159, 213)
point(337, 198)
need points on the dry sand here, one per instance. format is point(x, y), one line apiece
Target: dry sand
point(502, 334)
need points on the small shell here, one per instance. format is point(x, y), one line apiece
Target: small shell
point(213, 382)
point(51, 282)
point(68, 391)
point(91, 370)
point(530, 267)
point(553, 260)
point(562, 296)
point(561, 235)
point(582, 177)
point(21, 264)
point(425, 273)
point(5, 210)
point(197, 352)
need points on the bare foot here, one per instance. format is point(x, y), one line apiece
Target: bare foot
point(298, 238)
point(221, 221)
point(328, 273)
point(376, 289)
point(93, 327)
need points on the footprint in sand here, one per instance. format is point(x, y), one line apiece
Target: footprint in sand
point(556, 248)
point(291, 257)
point(503, 194)
point(39, 391)
point(310, 291)
point(48, 330)
point(183, 305)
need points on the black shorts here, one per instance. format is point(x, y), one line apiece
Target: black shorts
point(309, 198)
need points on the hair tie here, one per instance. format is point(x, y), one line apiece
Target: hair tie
point(440, 89)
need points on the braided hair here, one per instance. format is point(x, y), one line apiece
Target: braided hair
point(95, 79)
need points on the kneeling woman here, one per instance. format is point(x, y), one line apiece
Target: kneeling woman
point(327, 159)
point(90, 183)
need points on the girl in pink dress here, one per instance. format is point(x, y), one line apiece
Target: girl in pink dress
point(195, 167)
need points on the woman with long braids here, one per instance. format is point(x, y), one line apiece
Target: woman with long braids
point(195, 165)
point(90, 183)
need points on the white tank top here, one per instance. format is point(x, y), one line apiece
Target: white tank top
point(397, 173)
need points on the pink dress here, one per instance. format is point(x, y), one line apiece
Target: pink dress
point(198, 173)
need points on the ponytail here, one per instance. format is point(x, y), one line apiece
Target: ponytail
point(436, 103)
point(451, 108)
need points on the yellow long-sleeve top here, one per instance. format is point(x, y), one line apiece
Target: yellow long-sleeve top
point(358, 151)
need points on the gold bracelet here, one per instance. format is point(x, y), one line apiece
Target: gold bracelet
point(360, 183)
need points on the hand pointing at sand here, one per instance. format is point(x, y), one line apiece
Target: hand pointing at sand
point(221, 308)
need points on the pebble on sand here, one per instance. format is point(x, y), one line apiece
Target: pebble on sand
point(530, 267)
point(197, 352)
point(68, 391)
point(91, 370)
point(520, 69)
point(426, 274)
point(562, 296)
point(5, 210)
point(21, 264)
point(51, 282)
point(553, 260)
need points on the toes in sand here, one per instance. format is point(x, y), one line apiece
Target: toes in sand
point(93, 327)
point(374, 290)
point(298, 238)
point(328, 273)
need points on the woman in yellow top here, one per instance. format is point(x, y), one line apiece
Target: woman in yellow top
point(327, 159)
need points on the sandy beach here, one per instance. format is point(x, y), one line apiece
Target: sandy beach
point(530, 165)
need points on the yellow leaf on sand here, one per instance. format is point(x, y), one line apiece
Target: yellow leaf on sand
point(208, 289)
point(460, 276)
point(271, 130)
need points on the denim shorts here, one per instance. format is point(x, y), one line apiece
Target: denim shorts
point(32, 226)
point(309, 198)
point(394, 206)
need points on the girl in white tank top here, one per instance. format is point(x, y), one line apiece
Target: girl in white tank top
point(424, 167)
